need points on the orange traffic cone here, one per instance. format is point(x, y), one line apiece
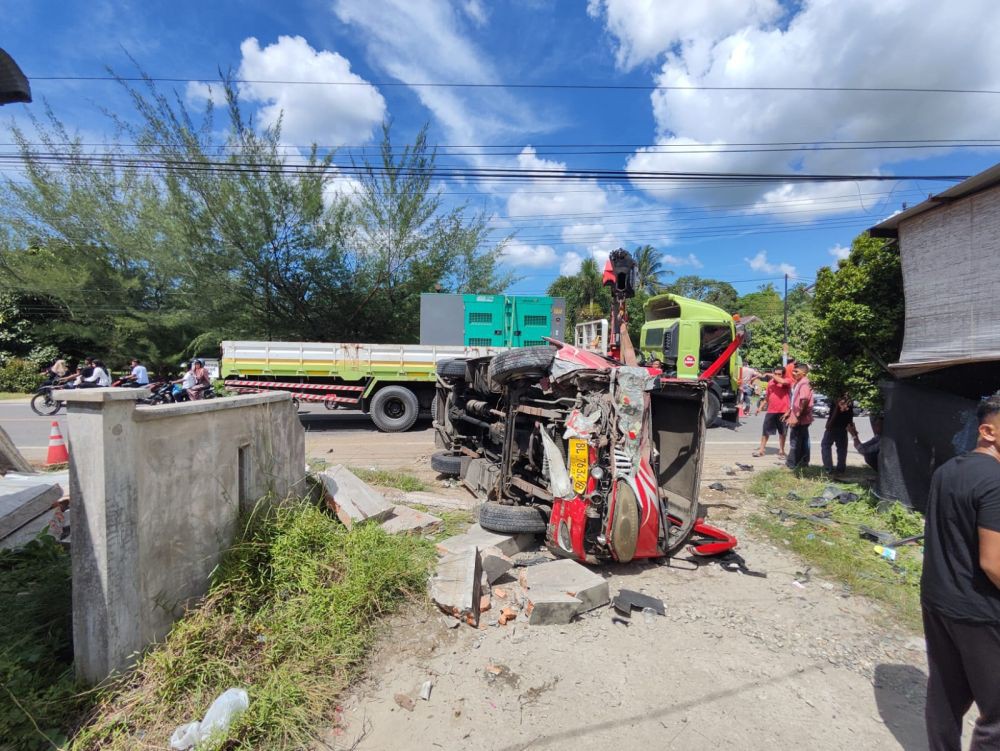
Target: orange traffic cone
point(57, 447)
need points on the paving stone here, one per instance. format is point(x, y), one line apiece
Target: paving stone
point(351, 498)
point(409, 521)
point(552, 608)
point(455, 587)
point(477, 537)
point(568, 577)
point(427, 498)
point(495, 563)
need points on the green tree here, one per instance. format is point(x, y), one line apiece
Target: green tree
point(649, 269)
point(722, 294)
point(859, 320)
point(767, 337)
point(764, 303)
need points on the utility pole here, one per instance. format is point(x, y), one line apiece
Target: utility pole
point(784, 341)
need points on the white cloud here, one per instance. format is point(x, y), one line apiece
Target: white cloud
point(824, 44)
point(327, 115)
point(474, 9)
point(198, 92)
point(422, 42)
point(570, 263)
point(646, 28)
point(839, 252)
point(760, 263)
point(543, 197)
point(689, 260)
point(521, 254)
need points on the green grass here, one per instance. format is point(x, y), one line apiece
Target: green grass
point(292, 611)
point(38, 694)
point(835, 548)
point(390, 479)
point(5, 395)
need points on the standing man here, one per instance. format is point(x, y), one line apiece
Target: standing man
point(799, 417)
point(839, 422)
point(778, 399)
point(960, 591)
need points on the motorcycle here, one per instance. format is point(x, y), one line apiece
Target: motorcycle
point(42, 402)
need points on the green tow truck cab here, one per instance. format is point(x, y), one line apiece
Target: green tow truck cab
point(689, 335)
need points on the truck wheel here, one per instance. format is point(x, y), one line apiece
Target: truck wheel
point(517, 363)
point(394, 409)
point(447, 463)
point(451, 368)
point(713, 408)
point(499, 517)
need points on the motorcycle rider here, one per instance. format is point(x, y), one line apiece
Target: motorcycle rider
point(139, 376)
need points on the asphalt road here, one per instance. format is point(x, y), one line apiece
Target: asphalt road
point(30, 432)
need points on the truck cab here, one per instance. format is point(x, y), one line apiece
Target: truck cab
point(687, 336)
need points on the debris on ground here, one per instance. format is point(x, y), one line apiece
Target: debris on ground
point(717, 486)
point(495, 563)
point(409, 521)
point(229, 705)
point(745, 467)
point(405, 701)
point(481, 539)
point(882, 538)
point(729, 470)
point(559, 590)
point(456, 588)
point(352, 499)
point(627, 599)
point(28, 503)
point(425, 690)
point(733, 561)
point(552, 608)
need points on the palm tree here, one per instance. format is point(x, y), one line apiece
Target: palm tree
point(649, 269)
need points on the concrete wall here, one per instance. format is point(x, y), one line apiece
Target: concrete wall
point(157, 493)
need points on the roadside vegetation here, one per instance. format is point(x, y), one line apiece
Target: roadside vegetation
point(38, 694)
point(830, 538)
point(291, 612)
point(387, 478)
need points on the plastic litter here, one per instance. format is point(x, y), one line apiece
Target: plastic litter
point(888, 553)
point(578, 426)
point(648, 615)
point(227, 706)
point(717, 486)
point(559, 480)
point(425, 690)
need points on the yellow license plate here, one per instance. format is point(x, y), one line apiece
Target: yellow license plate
point(579, 464)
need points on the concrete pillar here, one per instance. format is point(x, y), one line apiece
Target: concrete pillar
point(102, 441)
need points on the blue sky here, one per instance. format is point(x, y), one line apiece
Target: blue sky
point(741, 234)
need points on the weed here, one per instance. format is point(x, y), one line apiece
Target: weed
point(390, 479)
point(37, 689)
point(835, 546)
point(289, 617)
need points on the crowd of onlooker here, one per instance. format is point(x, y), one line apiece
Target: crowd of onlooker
point(789, 405)
point(93, 373)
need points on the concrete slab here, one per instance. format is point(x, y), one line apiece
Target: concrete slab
point(552, 609)
point(25, 497)
point(409, 521)
point(352, 499)
point(455, 587)
point(571, 578)
point(434, 500)
point(495, 563)
point(477, 537)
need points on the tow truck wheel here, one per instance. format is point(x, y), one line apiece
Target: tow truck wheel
point(516, 363)
point(451, 369)
point(713, 408)
point(394, 409)
point(498, 517)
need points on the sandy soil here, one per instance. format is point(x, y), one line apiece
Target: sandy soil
point(738, 662)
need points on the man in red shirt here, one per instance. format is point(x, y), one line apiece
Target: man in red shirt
point(799, 417)
point(777, 397)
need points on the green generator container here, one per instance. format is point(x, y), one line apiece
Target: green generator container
point(490, 320)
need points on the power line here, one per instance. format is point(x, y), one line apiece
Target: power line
point(522, 85)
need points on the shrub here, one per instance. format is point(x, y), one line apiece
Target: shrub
point(19, 375)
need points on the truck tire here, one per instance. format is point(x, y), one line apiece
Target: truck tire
point(499, 517)
point(451, 368)
point(447, 463)
point(516, 363)
point(713, 409)
point(394, 409)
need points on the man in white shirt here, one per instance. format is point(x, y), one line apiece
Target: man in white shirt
point(139, 375)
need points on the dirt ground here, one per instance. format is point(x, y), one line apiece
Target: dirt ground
point(739, 662)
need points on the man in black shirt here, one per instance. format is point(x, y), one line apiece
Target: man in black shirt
point(960, 591)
